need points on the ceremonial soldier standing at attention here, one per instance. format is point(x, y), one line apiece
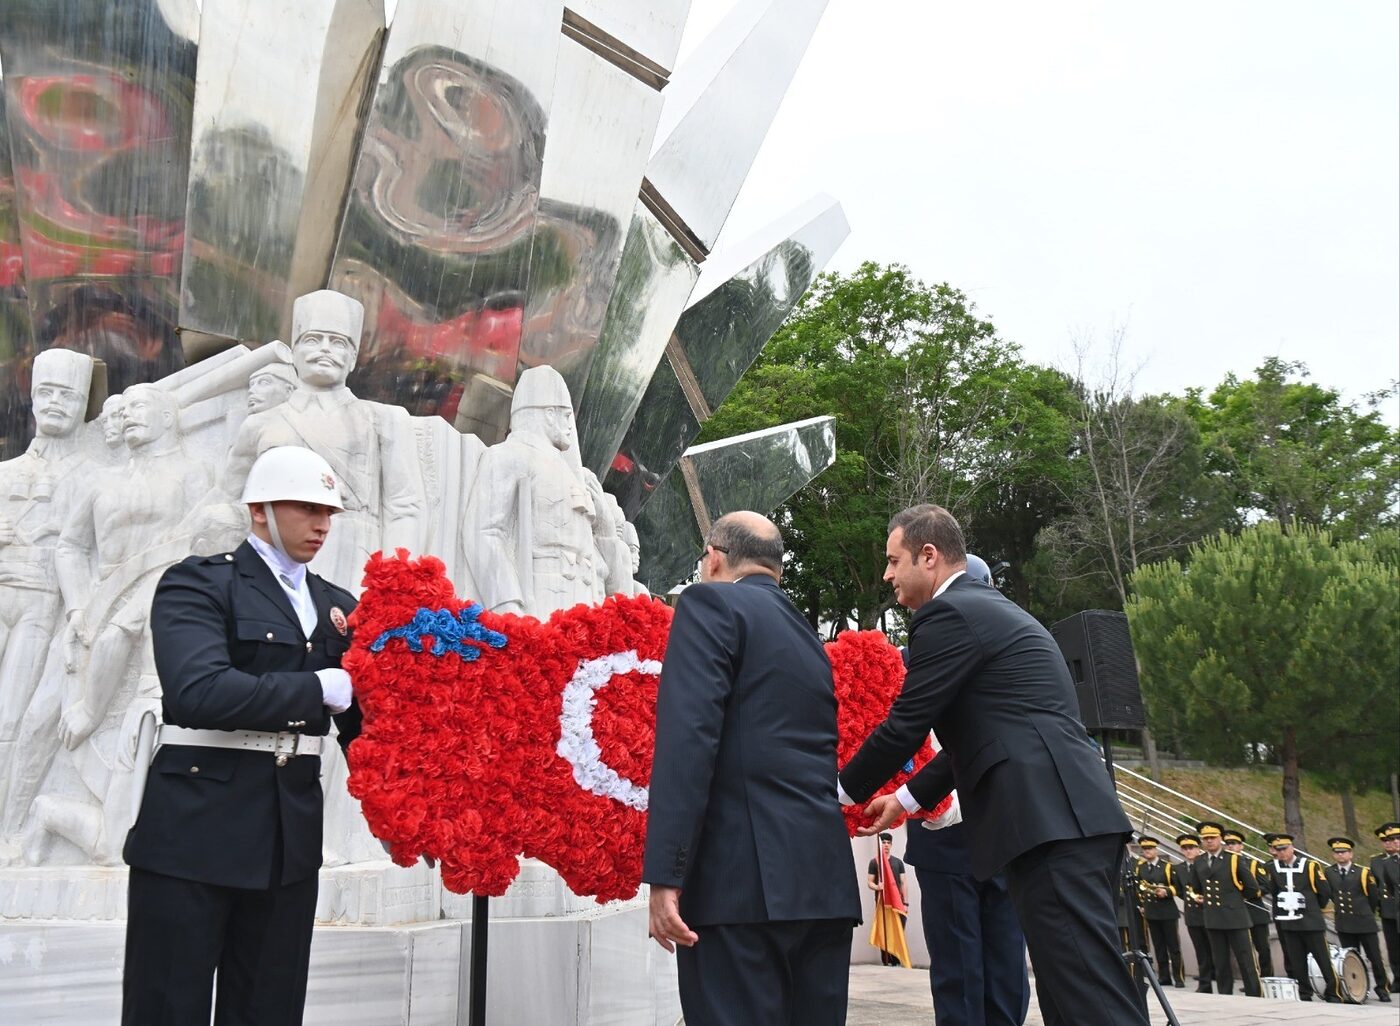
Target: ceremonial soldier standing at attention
point(1301, 892)
point(1356, 897)
point(1259, 917)
point(1226, 883)
point(225, 851)
point(1194, 918)
point(1159, 886)
point(1386, 867)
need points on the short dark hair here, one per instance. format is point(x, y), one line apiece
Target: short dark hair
point(927, 524)
point(743, 545)
point(887, 837)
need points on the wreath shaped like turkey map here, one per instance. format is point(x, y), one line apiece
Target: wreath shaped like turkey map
point(487, 737)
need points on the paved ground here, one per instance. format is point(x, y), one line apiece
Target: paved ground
point(900, 997)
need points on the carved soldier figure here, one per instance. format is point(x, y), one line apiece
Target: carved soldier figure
point(628, 530)
point(270, 386)
point(112, 550)
point(37, 489)
point(371, 447)
point(111, 421)
point(529, 528)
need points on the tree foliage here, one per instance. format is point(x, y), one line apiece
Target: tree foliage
point(1275, 643)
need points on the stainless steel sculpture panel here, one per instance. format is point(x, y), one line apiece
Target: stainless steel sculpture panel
point(276, 114)
point(700, 165)
point(653, 284)
point(438, 226)
point(98, 101)
point(755, 471)
point(16, 343)
point(600, 131)
point(742, 298)
point(651, 28)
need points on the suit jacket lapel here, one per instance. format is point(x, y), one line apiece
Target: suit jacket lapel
point(252, 567)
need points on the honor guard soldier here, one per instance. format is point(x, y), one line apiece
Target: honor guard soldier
point(1259, 917)
point(1301, 891)
point(1192, 915)
point(1226, 883)
point(1386, 867)
point(1159, 885)
point(225, 851)
point(1356, 897)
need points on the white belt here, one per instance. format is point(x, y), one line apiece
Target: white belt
point(283, 744)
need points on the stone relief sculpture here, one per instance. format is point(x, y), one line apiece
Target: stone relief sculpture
point(36, 489)
point(271, 386)
point(528, 533)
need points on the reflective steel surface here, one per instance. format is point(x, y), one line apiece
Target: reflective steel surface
point(98, 98)
point(653, 284)
point(16, 344)
point(438, 226)
point(756, 471)
point(278, 94)
point(704, 160)
point(600, 132)
point(743, 296)
point(651, 27)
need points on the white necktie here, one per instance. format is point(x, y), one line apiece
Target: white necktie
point(301, 604)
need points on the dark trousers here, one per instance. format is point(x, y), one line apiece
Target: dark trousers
point(1290, 969)
point(1368, 944)
point(767, 974)
point(1259, 935)
point(977, 956)
point(1392, 947)
point(1223, 944)
point(179, 933)
point(1297, 946)
point(1064, 894)
point(1205, 962)
point(1166, 942)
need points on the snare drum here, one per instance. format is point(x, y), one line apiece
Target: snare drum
point(1280, 988)
point(1351, 974)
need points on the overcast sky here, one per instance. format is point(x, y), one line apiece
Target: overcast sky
point(1221, 179)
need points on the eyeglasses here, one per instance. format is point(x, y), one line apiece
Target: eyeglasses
point(717, 548)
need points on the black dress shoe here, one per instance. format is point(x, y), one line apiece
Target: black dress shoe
point(1203, 988)
point(1382, 993)
point(1334, 1000)
point(1179, 983)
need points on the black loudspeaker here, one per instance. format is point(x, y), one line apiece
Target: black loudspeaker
point(1099, 650)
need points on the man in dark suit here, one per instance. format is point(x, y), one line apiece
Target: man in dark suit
point(1225, 882)
point(1191, 913)
point(1037, 801)
point(1386, 867)
point(746, 851)
point(225, 851)
point(1301, 891)
point(1158, 888)
point(1259, 915)
point(1356, 898)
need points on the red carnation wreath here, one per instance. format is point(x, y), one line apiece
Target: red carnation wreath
point(488, 736)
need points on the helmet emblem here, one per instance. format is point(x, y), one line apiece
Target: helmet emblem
point(328, 481)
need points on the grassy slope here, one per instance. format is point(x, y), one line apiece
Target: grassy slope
point(1256, 797)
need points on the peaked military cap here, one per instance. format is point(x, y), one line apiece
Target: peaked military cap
point(1341, 843)
point(1208, 828)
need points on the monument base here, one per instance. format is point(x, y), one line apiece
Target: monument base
point(585, 967)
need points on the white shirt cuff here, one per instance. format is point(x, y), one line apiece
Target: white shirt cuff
point(906, 799)
point(841, 793)
point(336, 693)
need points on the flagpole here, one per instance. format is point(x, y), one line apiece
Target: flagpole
point(480, 923)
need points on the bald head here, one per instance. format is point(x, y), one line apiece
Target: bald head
point(744, 543)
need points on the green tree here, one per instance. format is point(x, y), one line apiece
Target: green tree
point(1275, 644)
point(930, 404)
point(1293, 451)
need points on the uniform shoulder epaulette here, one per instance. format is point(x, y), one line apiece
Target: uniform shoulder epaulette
point(217, 559)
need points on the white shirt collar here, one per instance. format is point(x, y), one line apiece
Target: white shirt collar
point(944, 586)
point(280, 564)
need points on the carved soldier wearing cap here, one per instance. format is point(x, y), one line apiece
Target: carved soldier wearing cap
point(1159, 885)
point(371, 447)
point(1356, 897)
point(225, 852)
point(1192, 915)
point(1386, 868)
point(1301, 892)
point(1226, 883)
point(1259, 916)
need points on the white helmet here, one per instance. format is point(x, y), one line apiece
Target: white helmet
point(291, 473)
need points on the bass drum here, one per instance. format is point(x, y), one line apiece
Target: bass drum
point(1351, 974)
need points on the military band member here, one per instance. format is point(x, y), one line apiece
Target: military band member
point(1226, 883)
point(1356, 897)
point(1386, 867)
point(1259, 917)
point(1159, 885)
point(1301, 891)
point(1194, 918)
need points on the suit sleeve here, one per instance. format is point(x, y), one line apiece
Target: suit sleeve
point(944, 654)
point(697, 679)
point(201, 688)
